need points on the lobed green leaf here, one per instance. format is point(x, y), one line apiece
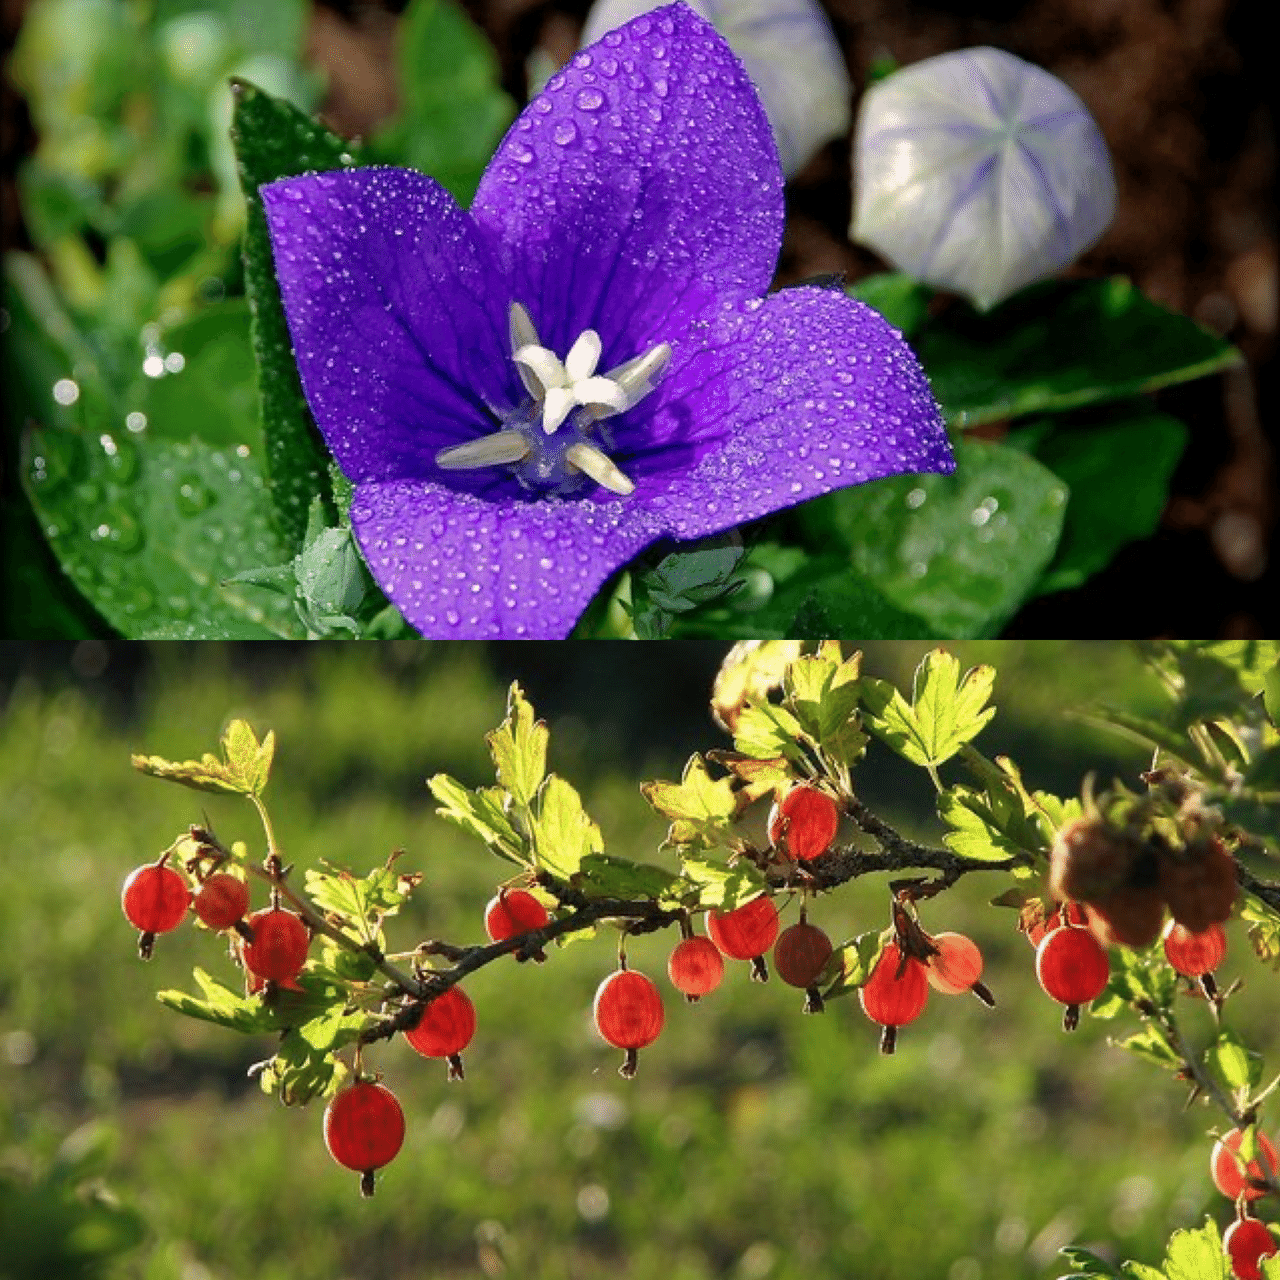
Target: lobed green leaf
point(519, 749)
point(563, 833)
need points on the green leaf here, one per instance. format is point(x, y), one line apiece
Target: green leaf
point(1118, 473)
point(946, 710)
point(243, 770)
point(765, 731)
point(273, 139)
point(361, 901)
point(1234, 1064)
point(299, 1072)
point(1140, 1271)
point(1271, 693)
point(897, 297)
point(700, 807)
point(479, 813)
point(851, 964)
point(334, 1029)
point(1197, 1255)
point(1271, 1266)
point(221, 1006)
point(452, 110)
point(519, 749)
point(974, 832)
point(1264, 930)
point(960, 552)
point(716, 884)
point(824, 694)
point(563, 834)
point(1086, 1263)
point(1152, 1046)
point(603, 876)
point(1061, 346)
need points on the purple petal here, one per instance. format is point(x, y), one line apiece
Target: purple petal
point(639, 187)
point(398, 317)
point(459, 567)
point(796, 395)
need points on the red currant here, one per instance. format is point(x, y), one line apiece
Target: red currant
point(1246, 1242)
point(695, 968)
point(511, 912)
point(1228, 1175)
point(1073, 968)
point(1194, 954)
point(279, 947)
point(155, 900)
point(628, 1014)
point(803, 823)
point(445, 1028)
point(957, 966)
point(891, 998)
point(746, 932)
point(364, 1129)
point(1053, 919)
point(223, 899)
point(800, 956)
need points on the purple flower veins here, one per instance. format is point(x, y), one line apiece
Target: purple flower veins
point(527, 394)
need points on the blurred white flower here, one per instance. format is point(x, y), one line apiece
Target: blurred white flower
point(978, 172)
point(790, 53)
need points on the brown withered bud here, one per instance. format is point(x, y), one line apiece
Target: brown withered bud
point(1132, 915)
point(1198, 883)
point(1115, 874)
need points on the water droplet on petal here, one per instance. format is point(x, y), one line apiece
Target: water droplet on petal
point(589, 100)
point(565, 132)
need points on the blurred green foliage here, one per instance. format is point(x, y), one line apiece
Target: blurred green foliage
point(756, 1143)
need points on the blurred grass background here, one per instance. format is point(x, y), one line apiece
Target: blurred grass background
point(755, 1143)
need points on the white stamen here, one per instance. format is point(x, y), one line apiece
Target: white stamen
point(520, 324)
point(636, 377)
point(580, 363)
point(488, 451)
point(586, 457)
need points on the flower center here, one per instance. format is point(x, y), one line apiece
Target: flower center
point(546, 441)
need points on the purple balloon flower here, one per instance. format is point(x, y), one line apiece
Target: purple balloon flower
point(527, 395)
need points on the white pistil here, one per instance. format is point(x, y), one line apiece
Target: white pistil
point(488, 451)
point(586, 457)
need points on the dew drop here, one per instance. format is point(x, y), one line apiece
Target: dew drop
point(589, 99)
point(194, 496)
point(564, 133)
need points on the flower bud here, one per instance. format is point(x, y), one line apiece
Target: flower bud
point(980, 173)
point(790, 53)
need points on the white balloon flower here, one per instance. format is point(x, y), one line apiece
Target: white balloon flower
point(790, 53)
point(978, 172)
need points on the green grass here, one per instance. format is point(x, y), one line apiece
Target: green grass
point(755, 1143)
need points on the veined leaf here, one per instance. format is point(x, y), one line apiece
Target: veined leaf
point(244, 769)
point(701, 807)
point(519, 749)
point(480, 814)
point(563, 833)
point(719, 885)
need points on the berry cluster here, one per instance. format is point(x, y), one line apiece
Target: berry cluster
point(1247, 1240)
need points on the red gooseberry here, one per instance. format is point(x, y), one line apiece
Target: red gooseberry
point(803, 823)
point(511, 912)
point(695, 968)
point(445, 1028)
point(1246, 1242)
point(894, 998)
point(1053, 919)
point(746, 932)
point(279, 947)
point(800, 956)
point(1231, 1177)
point(1073, 968)
point(1194, 954)
point(364, 1129)
point(223, 899)
point(957, 966)
point(155, 900)
point(628, 1014)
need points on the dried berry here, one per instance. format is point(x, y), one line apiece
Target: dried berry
point(800, 956)
point(1199, 884)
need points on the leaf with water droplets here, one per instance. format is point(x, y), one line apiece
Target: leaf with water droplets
point(961, 551)
point(273, 139)
point(452, 110)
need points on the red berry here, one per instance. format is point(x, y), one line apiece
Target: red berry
point(1074, 912)
point(803, 823)
point(513, 911)
point(628, 1013)
point(695, 967)
point(957, 966)
point(279, 947)
point(801, 954)
point(1073, 968)
point(1229, 1177)
point(223, 899)
point(1246, 1242)
point(745, 932)
point(1194, 954)
point(445, 1028)
point(364, 1129)
point(891, 999)
point(155, 898)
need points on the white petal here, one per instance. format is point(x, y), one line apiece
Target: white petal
point(544, 365)
point(556, 408)
point(581, 361)
point(586, 457)
point(980, 173)
point(600, 391)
